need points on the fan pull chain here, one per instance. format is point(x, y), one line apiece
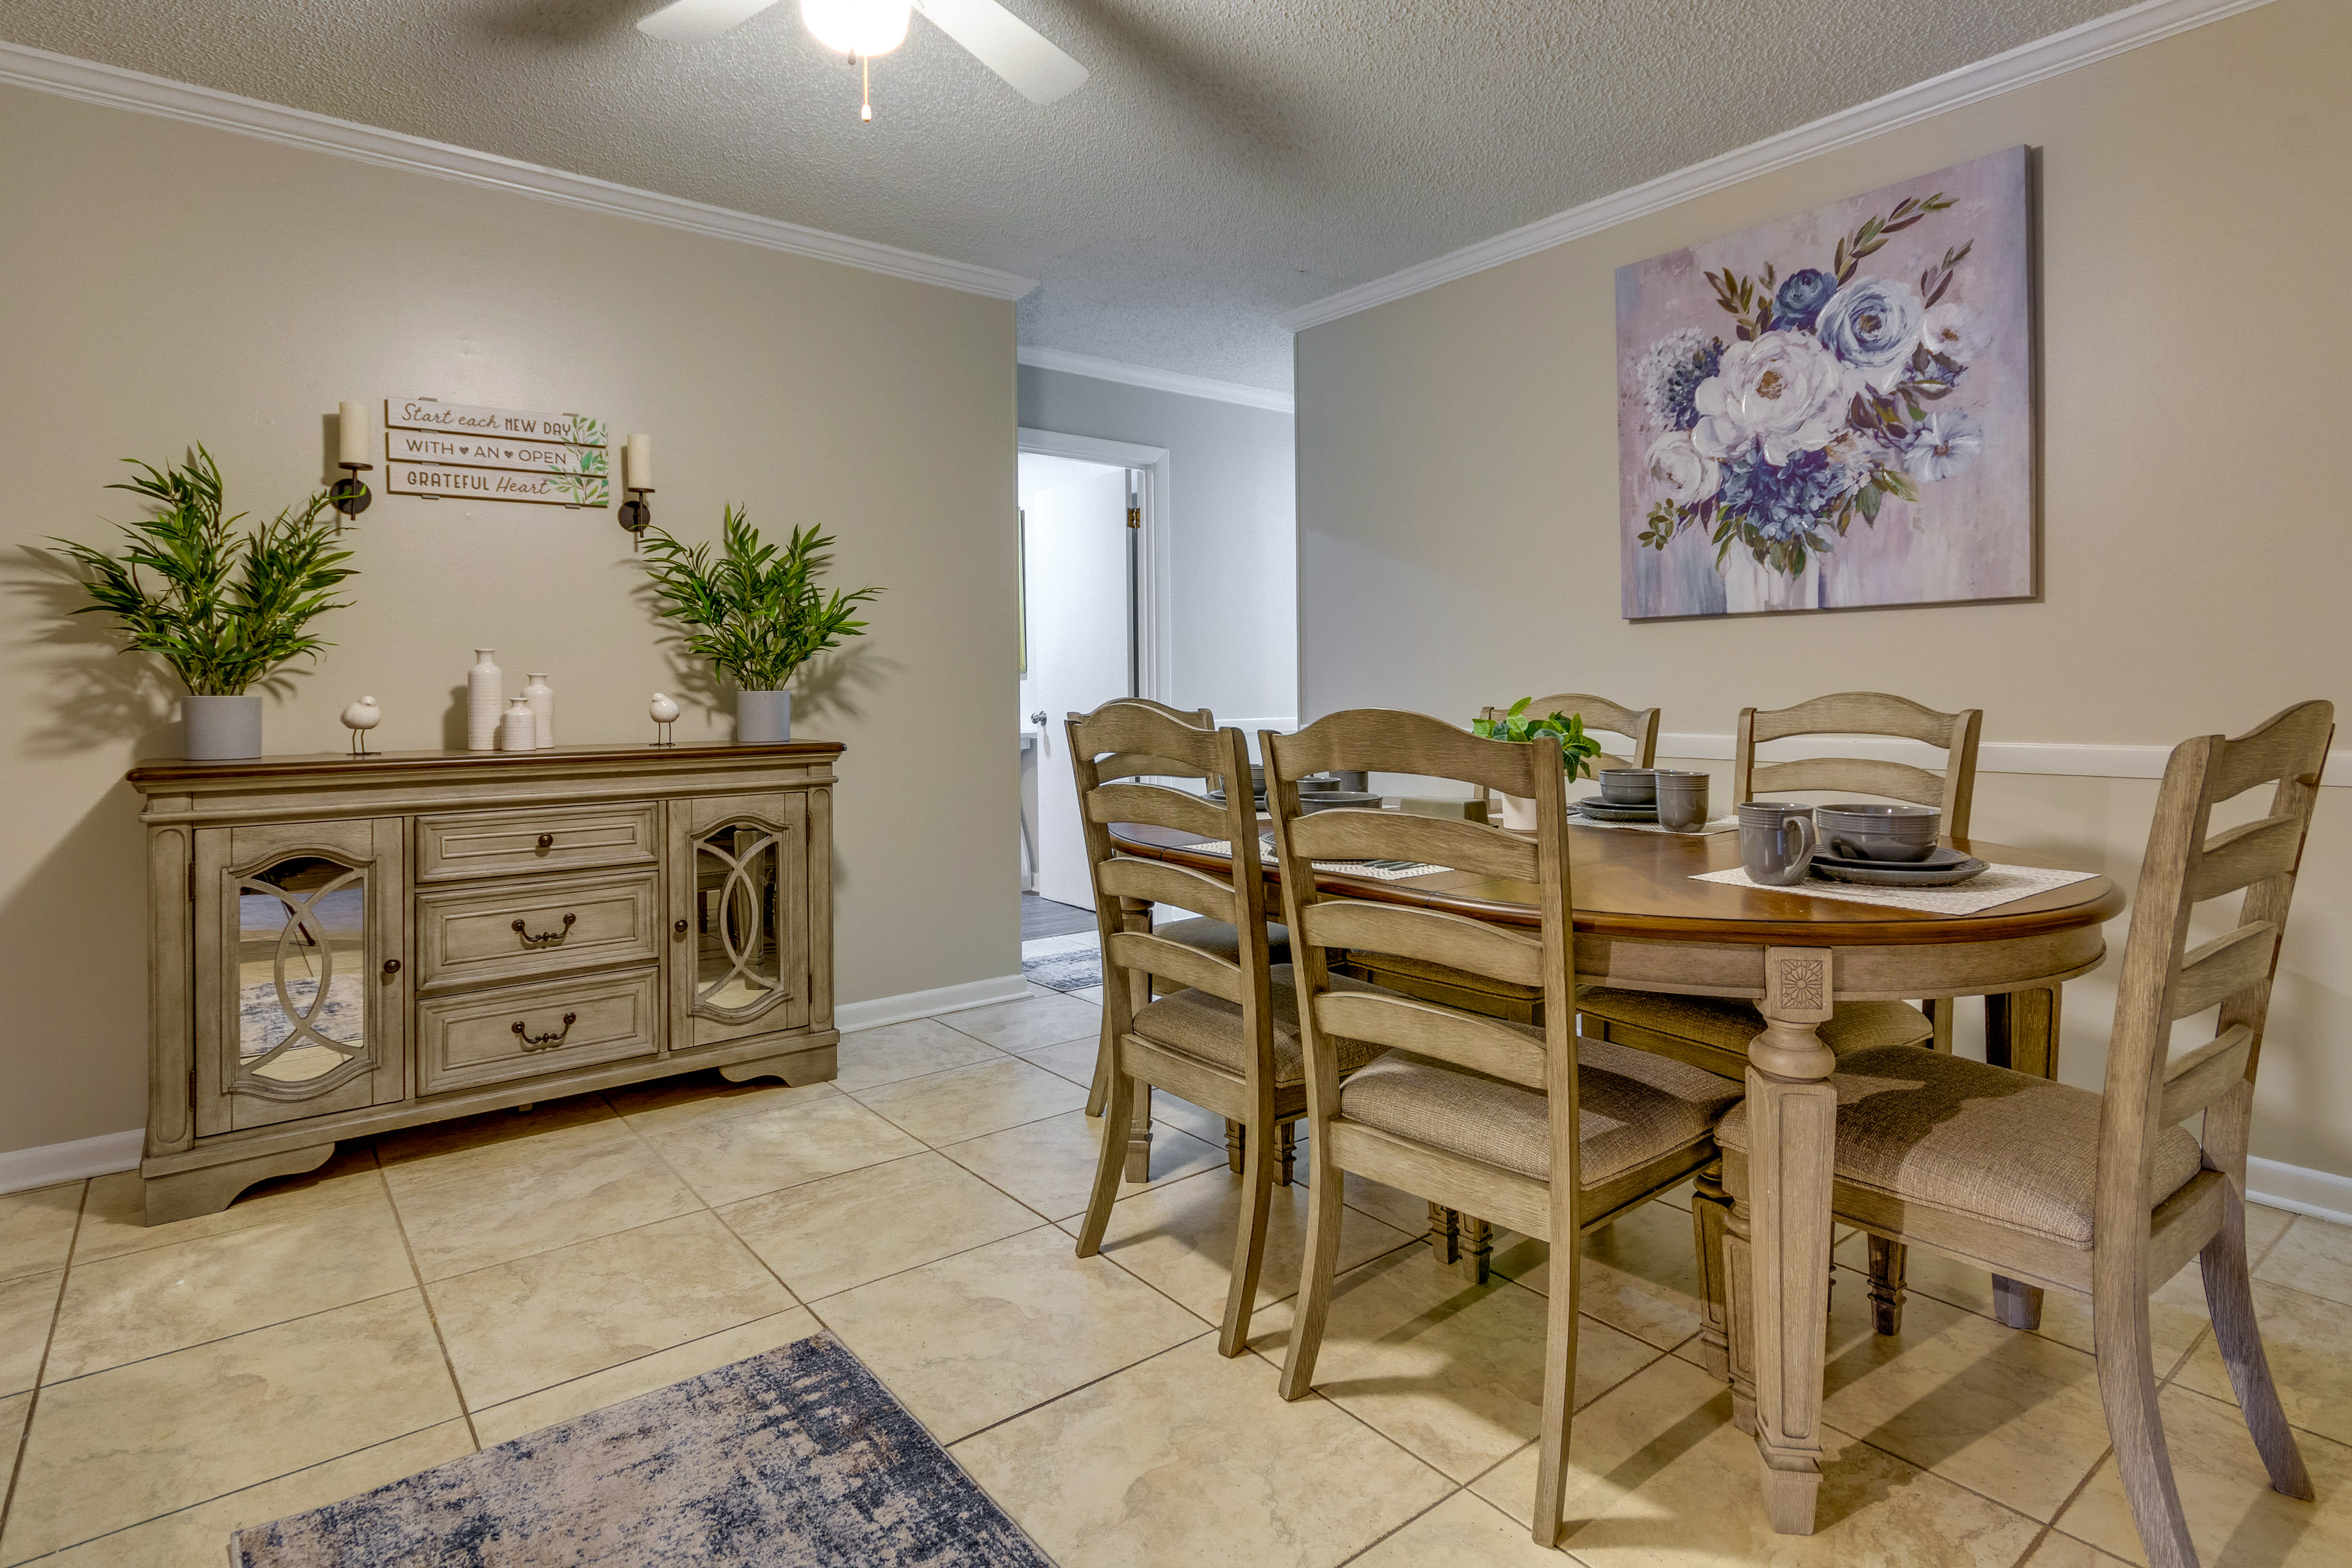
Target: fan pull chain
point(865, 70)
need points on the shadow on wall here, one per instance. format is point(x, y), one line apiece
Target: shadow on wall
point(96, 696)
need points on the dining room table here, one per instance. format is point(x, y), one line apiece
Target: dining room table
point(1645, 919)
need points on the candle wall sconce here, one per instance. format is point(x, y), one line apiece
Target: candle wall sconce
point(350, 494)
point(637, 479)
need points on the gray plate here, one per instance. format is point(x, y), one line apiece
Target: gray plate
point(1935, 876)
point(1600, 812)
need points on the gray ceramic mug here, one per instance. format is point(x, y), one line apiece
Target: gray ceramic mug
point(1682, 800)
point(1776, 842)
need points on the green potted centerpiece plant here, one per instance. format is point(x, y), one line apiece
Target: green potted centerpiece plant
point(754, 610)
point(1577, 750)
point(226, 609)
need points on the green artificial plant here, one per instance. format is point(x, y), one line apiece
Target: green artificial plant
point(226, 609)
point(1577, 749)
point(753, 609)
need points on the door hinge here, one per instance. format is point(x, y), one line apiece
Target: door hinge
point(1135, 517)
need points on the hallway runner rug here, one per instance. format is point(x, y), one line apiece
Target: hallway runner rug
point(1071, 962)
point(796, 1458)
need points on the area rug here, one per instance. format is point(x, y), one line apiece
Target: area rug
point(796, 1458)
point(1071, 962)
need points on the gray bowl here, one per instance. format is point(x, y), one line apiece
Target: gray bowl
point(1876, 832)
point(1629, 786)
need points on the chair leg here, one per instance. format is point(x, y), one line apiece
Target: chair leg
point(2229, 1297)
point(1139, 1135)
point(2127, 1389)
point(1710, 1211)
point(1237, 1144)
point(1477, 1249)
point(1886, 1261)
point(1558, 1389)
point(1286, 1151)
point(2016, 1304)
point(1444, 1234)
point(1249, 1248)
point(1108, 1161)
point(1315, 1270)
point(1099, 1090)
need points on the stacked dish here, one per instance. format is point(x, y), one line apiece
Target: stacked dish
point(1887, 846)
point(1627, 795)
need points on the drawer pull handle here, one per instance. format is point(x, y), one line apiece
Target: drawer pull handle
point(546, 1042)
point(545, 938)
point(546, 841)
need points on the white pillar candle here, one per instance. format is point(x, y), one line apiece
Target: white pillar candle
point(640, 470)
point(352, 434)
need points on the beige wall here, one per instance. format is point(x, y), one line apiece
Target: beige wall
point(162, 284)
point(1457, 477)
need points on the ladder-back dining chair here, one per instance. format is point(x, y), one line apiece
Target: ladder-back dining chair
point(2105, 1193)
point(1547, 1134)
point(1226, 1036)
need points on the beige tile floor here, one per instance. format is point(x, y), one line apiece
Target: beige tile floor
point(459, 1286)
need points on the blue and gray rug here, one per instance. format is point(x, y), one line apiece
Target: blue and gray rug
point(1070, 962)
point(796, 1458)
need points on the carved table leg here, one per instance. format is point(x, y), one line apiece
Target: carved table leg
point(1286, 1151)
point(2021, 1033)
point(1886, 1264)
point(1939, 1015)
point(1477, 1248)
point(1792, 1128)
point(1444, 1234)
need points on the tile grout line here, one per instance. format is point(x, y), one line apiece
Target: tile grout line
point(440, 1341)
point(1053, 1399)
point(1407, 1525)
point(41, 1370)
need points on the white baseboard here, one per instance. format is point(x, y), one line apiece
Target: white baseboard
point(53, 1162)
point(21, 1169)
point(929, 1003)
point(2322, 1194)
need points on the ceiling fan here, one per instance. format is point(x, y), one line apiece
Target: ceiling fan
point(864, 28)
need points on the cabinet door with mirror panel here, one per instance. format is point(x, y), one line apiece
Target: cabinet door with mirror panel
point(300, 995)
point(738, 905)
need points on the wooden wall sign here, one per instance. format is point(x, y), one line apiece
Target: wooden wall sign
point(463, 450)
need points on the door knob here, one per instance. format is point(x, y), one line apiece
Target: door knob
point(1038, 718)
point(680, 927)
point(392, 966)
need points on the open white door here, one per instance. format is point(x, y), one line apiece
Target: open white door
point(1080, 641)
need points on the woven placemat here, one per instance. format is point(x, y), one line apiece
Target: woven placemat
point(1379, 871)
point(1988, 889)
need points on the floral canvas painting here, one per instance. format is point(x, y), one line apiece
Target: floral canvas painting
point(1834, 410)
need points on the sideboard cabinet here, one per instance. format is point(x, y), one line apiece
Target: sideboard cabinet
point(339, 946)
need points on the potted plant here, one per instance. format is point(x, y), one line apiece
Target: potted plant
point(754, 610)
point(226, 609)
point(1577, 750)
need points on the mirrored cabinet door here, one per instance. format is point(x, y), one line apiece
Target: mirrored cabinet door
point(738, 903)
point(300, 993)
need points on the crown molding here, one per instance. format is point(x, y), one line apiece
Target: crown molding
point(2021, 67)
point(115, 88)
point(1158, 380)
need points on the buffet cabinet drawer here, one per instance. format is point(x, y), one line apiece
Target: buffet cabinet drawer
point(563, 838)
point(552, 925)
point(521, 1031)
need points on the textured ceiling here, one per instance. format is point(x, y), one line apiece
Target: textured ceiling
point(1230, 159)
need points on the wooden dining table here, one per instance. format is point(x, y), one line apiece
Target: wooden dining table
point(1643, 922)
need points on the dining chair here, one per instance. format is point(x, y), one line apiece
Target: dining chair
point(1208, 934)
point(1551, 1135)
point(1226, 1036)
point(2105, 1193)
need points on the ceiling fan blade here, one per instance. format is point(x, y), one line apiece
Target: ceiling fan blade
point(1007, 45)
point(692, 21)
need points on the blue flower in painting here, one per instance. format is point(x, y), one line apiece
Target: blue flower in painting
point(1671, 372)
point(1780, 501)
point(1946, 442)
point(1801, 299)
point(1872, 324)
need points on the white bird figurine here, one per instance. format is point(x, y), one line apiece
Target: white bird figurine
point(664, 712)
point(359, 718)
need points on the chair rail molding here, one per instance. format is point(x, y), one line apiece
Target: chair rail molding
point(113, 87)
point(2095, 761)
point(1158, 380)
point(2101, 38)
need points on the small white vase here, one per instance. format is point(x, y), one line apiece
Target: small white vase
point(762, 717)
point(542, 708)
point(517, 727)
point(484, 699)
point(221, 729)
point(1518, 811)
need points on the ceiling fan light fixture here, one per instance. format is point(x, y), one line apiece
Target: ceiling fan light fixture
point(862, 27)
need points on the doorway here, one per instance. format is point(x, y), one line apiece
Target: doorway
point(1086, 538)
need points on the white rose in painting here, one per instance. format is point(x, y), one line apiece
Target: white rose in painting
point(1783, 392)
point(1680, 471)
point(1954, 331)
point(1872, 324)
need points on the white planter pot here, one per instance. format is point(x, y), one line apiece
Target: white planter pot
point(221, 729)
point(762, 717)
point(1518, 811)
